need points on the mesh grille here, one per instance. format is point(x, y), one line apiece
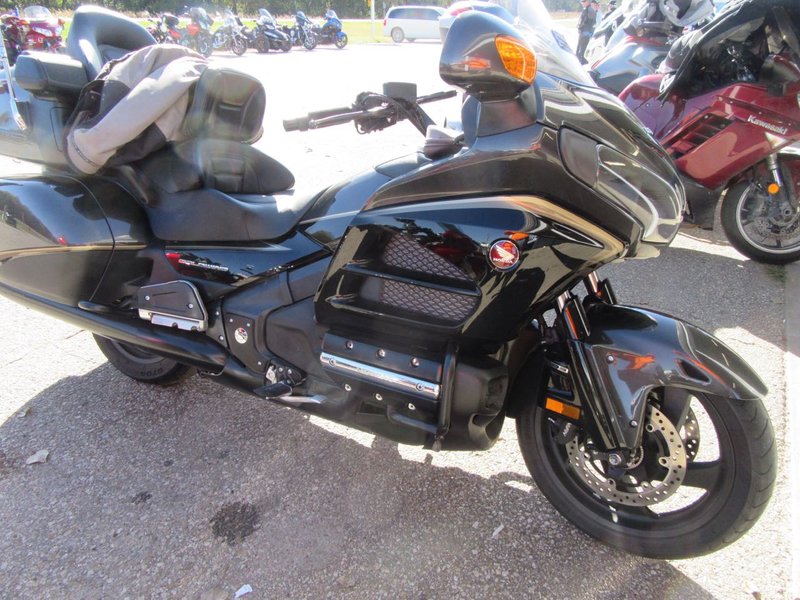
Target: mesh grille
point(434, 303)
point(407, 254)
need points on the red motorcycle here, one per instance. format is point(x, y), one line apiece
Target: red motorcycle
point(726, 106)
point(15, 31)
point(198, 32)
point(165, 29)
point(44, 32)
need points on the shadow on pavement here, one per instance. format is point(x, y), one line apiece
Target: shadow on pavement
point(172, 492)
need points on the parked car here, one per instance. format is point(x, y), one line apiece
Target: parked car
point(462, 6)
point(412, 23)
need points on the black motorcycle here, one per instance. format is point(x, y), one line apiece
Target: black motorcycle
point(301, 34)
point(425, 300)
point(231, 35)
point(268, 36)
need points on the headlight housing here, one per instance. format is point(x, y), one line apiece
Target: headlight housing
point(656, 203)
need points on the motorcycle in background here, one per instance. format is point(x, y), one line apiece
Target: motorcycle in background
point(608, 32)
point(725, 105)
point(165, 29)
point(648, 35)
point(230, 36)
point(44, 30)
point(268, 36)
point(426, 299)
point(15, 31)
point(197, 35)
point(330, 32)
point(302, 33)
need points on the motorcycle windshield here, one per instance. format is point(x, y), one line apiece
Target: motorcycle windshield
point(755, 27)
point(265, 17)
point(36, 13)
point(553, 54)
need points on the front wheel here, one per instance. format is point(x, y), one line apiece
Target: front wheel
point(262, 44)
point(397, 35)
point(700, 479)
point(310, 41)
point(341, 41)
point(141, 365)
point(764, 227)
point(238, 45)
point(205, 45)
point(286, 45)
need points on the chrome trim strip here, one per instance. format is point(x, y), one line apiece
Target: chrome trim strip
point(397, 381)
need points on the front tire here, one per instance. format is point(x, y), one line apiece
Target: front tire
point(310, 41)
point(262, 44)
point(657, 508)
point(397, 35)
point(341, 41)
point(141, 365)
point(239, 45)
point(755, 227)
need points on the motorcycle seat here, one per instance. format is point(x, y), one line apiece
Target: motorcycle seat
point(98, 35)
point(211, 190)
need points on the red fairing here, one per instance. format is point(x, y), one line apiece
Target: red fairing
point(718, 135)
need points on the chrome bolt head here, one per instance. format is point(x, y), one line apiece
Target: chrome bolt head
point(381, 353)
point(347, 387)
point(614, 459)
point(610, 359)
point(378, 397)
point(349, 345)
point(634, 423)
point(415, 362)
point(411, 406)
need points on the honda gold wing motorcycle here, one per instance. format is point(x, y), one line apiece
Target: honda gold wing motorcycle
point(727, 108)
point(425, 300)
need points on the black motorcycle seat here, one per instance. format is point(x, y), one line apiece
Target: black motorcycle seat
point(218, 191)
point(98, 35)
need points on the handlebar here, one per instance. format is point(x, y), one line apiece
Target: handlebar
point(370, 113)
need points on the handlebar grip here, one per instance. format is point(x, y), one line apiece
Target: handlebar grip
point(329, 112)
point(299, 124)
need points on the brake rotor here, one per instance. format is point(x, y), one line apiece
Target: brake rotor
point(652, 478)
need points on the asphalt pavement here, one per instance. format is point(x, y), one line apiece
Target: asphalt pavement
point(196, 491)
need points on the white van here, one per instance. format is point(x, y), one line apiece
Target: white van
point(412, 23)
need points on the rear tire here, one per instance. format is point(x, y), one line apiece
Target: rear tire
point(286, 46)
point(141, 365)
point(398, 35)
point(262, 44)
point(644, 508)
point(747, 223)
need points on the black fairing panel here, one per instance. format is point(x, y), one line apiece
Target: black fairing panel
point(55, 240)
point(524, 161)
point(421, 272)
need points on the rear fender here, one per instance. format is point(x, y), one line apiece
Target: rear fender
point(631, 351)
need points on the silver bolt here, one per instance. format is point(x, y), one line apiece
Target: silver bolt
point(614, 459)
point(610, 358)
point(222, 338)
point(248, 324)
point(347, 387)
point(216, 313)
point(634, 423)
point(147, 298)
point(190, 305)
point(230, 320)
point(289, 371)
point(420, 387)
point(332, 362)
point(411, 406)
point(381, 353)
point(378, 397)
point(260, 363)
point(415, 362)
point(349, 345)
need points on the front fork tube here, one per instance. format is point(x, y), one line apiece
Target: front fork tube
point(598, 413)
point(774, 168)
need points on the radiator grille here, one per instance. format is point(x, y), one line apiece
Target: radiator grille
point(431, 302)
point(405, 253)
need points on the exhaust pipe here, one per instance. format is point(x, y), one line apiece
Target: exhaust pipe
point(192, 349)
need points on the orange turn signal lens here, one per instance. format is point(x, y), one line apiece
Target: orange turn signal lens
point(773, 188)
point(517, 57)
point(562, 408)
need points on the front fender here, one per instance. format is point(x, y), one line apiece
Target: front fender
point(631, 351)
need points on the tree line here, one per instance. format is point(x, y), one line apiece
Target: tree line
point(346, 9)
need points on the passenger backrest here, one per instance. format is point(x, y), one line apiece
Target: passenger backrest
point(226, 105)
point(98, 35)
